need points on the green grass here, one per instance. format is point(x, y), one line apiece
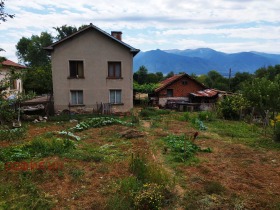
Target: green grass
point(245, 133)
point(22, 193)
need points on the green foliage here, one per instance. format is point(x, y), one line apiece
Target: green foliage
point(231, 106)
point(277, 132)
point(148, 173)
point(263, 94)
point(147, 189)
point(98, 122)
point(206, 116)
point(12, 134)
point(22, 193)
point(64, 31)
point(149, 112)
point(145, 88)
point(31, 52)
point(142, 76)
point(215, 80)
point(76, 173)
point(39, 147)
point(38, 79)
point(182, 149)
point(185, 117)
point(150, 197)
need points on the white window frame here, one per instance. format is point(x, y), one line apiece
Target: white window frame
point(76, 92)
point(115, 100)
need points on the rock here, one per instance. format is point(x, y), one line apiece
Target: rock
point(40, 118)
point(36, 121)
point(73, 121)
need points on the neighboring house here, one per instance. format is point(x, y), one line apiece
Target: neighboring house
point(90, 67)
point(176, 88)
point(7, 68)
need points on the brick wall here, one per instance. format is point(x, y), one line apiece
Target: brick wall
point(180, 89)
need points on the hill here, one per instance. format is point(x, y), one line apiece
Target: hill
point(202, 60)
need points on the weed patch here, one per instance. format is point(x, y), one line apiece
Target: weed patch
point(181, 148)
point(12, 134)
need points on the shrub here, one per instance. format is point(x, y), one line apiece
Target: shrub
point(214, 187)
point(277, 132)
point(12, 134)
point(182, 148)
point(150, 197)
point(148, 172)
point(206, 115)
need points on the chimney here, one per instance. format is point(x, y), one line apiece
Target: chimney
point(117, 35)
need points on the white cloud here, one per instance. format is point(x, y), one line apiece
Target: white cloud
point(175, 25)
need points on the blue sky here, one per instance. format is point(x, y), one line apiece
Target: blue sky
point(224, 25)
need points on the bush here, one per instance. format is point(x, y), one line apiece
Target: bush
point(206, 115)
point(277, 132)
point(150, 197)
point(12, 134)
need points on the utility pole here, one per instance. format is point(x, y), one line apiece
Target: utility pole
point(229, 76)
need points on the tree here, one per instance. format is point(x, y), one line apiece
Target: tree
point(141, 75)
point(263, 94)
point(215, 80)
point(64, 31)
point(3, 14)
point(239, 79)
point(31, 52)
point(170, 74)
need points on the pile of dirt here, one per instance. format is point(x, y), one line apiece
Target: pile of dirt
point(132, 134)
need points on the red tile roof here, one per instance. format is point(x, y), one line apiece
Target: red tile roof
point(13, 64)
point(172, 79)
point(206, 93)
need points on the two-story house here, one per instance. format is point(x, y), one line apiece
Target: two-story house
point(7, 69)
point(92, 66)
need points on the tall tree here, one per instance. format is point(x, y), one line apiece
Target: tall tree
point(3, 14)
point(65, 30)
point(31, 52)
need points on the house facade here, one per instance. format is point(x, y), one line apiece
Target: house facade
point(92, 66)
point(7, 69)
point(176, 88)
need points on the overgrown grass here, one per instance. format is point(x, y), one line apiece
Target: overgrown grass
point(151, 112)
point(149, 188)
point(242, 132)
point(22, 193)
point(39, 147)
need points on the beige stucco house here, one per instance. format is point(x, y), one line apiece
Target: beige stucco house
point(7, 69)
point(92, 66)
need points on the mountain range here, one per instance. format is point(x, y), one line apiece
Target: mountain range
point(203, 60)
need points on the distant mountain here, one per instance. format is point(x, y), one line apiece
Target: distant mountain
point(202, 60)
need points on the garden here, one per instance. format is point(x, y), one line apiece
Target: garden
point(169, 160)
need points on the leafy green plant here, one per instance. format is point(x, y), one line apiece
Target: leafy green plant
point(182, 148)
point(98, 122)
point(12, 134)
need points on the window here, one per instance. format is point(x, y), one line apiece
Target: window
point(115, 96)
point(169, 92)
point(114, 70)
point(76, 69)
point(76, 97)
point(184, 82)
